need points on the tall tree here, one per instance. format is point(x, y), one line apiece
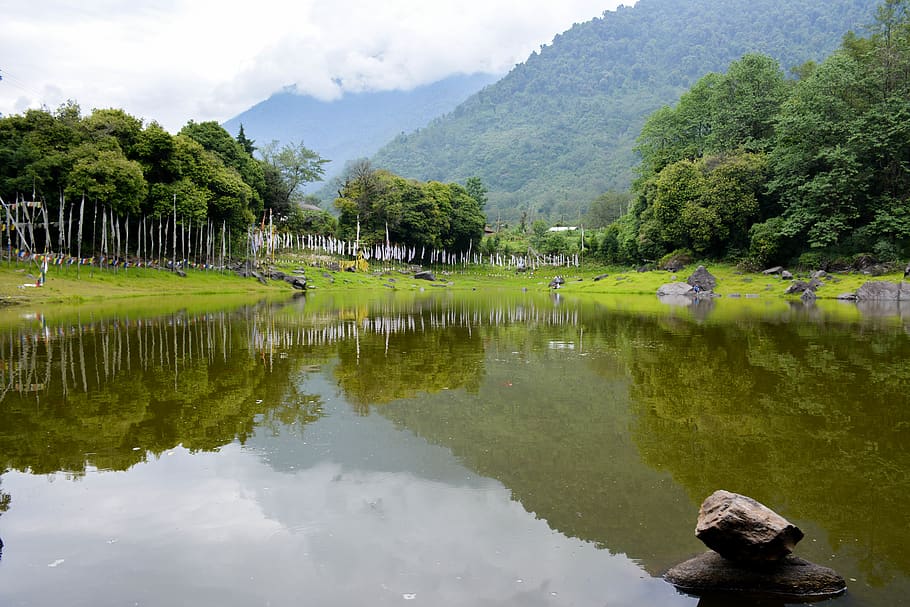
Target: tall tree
point(245, 143)
point(476, 190)
point(287, 170)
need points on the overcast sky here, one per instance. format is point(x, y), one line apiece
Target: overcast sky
point(176, 60)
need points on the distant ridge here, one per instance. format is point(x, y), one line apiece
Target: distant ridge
point(560, 128)
point(356, 125)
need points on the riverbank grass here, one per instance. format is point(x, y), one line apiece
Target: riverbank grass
point(66, 285)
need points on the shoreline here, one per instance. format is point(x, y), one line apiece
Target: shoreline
point(94, 286)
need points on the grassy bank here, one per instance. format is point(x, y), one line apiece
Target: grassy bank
point(65, 286)
point(590, 280)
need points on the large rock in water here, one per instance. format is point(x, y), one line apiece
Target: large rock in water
point(790, 578)
point(743, 530)
point(703, 279)
point(750, 556)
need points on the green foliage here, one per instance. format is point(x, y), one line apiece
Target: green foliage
point(111, 159)
point(232, 154)
point(245, 142)
point(476, 190)
point(767, 242)
point(287, 170)
point(147, 401)
point(108, 177)
point(706, 205)
point(300, 221)
point(431, 215)
point(607, 208)
point(840, 161)
point(560, 128)
point(747, 160)
point(538, 233)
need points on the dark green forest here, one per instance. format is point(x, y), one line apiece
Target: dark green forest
point(559, 130)
point(755, 166)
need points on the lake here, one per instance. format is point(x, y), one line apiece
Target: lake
point(441, 448)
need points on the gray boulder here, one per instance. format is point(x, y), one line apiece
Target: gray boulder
point(819, 275)
point(743, 530)
point(879, 290)
point(808, 296)
point(298, 282)
point(600, 277)
point(798, 286)
point(791, 577)
point(425, 275)
point(557, 282)
point(785, 275)
point(675, 288)
point(774, 270)
point(703, 279)
point(846, 297)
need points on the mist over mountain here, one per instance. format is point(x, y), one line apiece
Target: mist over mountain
point(356, 125)
point(560, 128)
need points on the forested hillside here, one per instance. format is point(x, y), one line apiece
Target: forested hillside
point(559, 129)
point(752, 166)
point(356, 125)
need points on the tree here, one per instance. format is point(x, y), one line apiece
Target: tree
point(607, 208)
point(227, 195)
point(215, 139)
point(154, 150)
point(245, 143)
point(745, 103)
point(476, 190)
point(432, 214)
point(115, 124)
point(288, 169)
point(107, 177)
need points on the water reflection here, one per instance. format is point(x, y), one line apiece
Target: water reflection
point(107, 393)
point(339, 420)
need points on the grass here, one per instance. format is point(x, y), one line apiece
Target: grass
point(94, 286)
point(66, 286)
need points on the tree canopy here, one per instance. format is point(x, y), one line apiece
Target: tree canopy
point(755, 166)
point(384, 205)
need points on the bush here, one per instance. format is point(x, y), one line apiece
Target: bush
point(886, 251)
point(814, 260)
point(675, 260)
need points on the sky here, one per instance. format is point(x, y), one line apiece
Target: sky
point(177, 60)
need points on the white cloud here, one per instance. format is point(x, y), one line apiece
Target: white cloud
point(177, 60)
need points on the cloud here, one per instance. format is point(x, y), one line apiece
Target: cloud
point(204, 60)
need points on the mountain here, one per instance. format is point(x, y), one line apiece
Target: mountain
point(356, 125)
point(560, 128)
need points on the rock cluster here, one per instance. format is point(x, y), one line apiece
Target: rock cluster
point(700, 282)
point(750, 552)
point(703, 279)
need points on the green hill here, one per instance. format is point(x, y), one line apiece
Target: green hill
point(560, 128)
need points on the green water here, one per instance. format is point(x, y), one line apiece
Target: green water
point(441, 449)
